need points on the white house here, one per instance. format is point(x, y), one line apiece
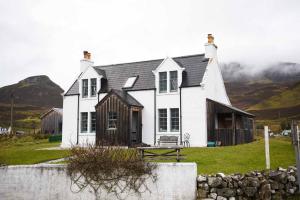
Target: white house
point(140, 101)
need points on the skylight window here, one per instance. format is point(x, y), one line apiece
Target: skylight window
point(130, 82)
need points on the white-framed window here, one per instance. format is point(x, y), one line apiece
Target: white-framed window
point(130, 82)
point(162, 120)
point(84, 122)
point(163, 81)
point(93, 87)
point(93, 122)
point(174, 121)
point(85, 88)
point(112, 120)
point(173, 81)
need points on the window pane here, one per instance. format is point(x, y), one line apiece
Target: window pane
point(174, 119)
point(93, 121)
point(163, 119)
point(162, 81)
point(85, 87)
point(173, 81)
point(93, 86)
point(84, 120)
point(112, 120)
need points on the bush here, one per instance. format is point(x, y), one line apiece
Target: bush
point(55, 138)
point(114, 169)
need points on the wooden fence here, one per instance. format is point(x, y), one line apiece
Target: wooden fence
point(225, 136)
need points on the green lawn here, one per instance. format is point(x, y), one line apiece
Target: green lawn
point(25, 152)
point(240, 158)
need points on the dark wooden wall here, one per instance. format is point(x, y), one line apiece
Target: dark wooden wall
point(52, 123)
point(119, 136)
point(239, 132)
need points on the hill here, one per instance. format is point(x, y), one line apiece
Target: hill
point(271, 93)
point(37, 91)
point(32, 97)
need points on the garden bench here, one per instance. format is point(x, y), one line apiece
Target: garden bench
point(168, 140)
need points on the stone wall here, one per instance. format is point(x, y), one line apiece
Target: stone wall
point(275, 184)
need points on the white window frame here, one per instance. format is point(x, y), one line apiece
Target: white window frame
point(166, 120)
point(92, 86)
point(83, 87)
point(111, 120)
point(170, 83)
point(91, 122)
point(165, 80)
point(171, 120)
point(81, 122)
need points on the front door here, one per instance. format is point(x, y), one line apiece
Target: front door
point(134, 128)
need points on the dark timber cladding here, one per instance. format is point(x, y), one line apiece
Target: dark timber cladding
point(118, 120)
point(227, 125)
point(51, 121)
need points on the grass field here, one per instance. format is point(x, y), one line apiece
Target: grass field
point(240, 158)
point(232, 159)
point(24, 151)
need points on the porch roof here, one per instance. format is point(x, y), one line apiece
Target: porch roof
point(124, 96)
point(228, 108)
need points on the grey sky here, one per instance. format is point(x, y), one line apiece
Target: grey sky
point(48, 37)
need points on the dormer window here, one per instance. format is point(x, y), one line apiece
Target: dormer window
point(93, 87)
point(163, 81)
point(130, 82)
point(85, 88)
point(173, 81)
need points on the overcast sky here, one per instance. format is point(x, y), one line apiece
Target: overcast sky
point(48, 37)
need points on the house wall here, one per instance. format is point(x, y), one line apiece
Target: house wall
point(193, 106)
point(88, 104)
point(214, 84)
point(146, 98)
point(169, 99)
point(69, 136)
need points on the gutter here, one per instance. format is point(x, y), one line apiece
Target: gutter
point(77, 142)
point(154, 117)
point(180, 116)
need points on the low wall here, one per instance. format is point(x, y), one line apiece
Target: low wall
point(48, 181)
point(276, 184)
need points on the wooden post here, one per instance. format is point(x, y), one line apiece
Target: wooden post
point(233, 129)
point(295, 138)
point(267, 150)
point(11, 112)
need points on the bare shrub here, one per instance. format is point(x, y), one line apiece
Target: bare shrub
point(113, 169)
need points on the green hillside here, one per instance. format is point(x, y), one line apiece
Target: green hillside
point(285, 99)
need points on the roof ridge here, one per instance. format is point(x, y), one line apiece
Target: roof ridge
point(112, 65)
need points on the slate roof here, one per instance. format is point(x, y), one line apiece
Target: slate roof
point(117, 74)
point(233, 108)
point(127, 98)
point(58, 110)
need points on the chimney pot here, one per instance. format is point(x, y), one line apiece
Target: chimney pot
point(86, 55)
point(210, 47)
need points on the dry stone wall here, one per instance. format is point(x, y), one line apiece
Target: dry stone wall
point(266, 185)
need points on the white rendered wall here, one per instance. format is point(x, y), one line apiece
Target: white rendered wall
point(88, 104)
point(43, 182)
point(69, 129)
point(169, 99)
point(146, 98)
point(214, 83)
point(194, 115)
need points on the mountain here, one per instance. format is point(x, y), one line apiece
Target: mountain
point(32, 97)
point(271, 93)
point(34, 91)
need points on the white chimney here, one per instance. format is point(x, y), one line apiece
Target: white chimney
point(210, 48)
point(86, 61)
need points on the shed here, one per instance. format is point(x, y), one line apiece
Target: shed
point(51, 121)
point(119, 120)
